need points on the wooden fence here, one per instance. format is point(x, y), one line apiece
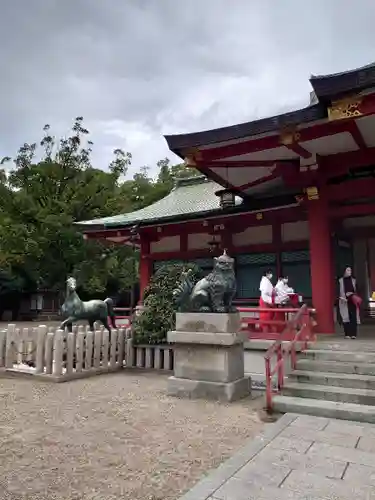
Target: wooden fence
point(60, 356)
point(149, 357)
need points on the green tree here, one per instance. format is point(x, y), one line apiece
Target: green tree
point(38, 238)
point(51, 186)
point(152, 326)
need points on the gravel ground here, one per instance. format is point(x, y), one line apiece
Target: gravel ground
point(112, 436)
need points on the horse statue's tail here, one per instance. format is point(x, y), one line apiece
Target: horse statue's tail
point(111, 312)
point(181, 294)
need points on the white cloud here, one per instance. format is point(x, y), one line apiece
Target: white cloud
point(141, 68)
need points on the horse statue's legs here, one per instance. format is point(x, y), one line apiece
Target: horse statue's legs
point(68, 322)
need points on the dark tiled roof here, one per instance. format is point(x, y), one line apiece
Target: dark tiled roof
point(325, 87)
point(330, 86)
point(195, 195)
point(181, 141)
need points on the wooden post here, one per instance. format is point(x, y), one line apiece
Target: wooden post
point(105, 350)
point(21, 346)
point(40, 348)
point(80, 349)
point(49, 352)
point(33, 346)
point(9, 354)
point(3, 339)
point(140, 357)
point(97, 348)
point(58, 346)
point(121, 347)
point(71, 349)
point(129, 353)
point(113, 349)
point(89, 349)
point(158, 360)
point(148, 357)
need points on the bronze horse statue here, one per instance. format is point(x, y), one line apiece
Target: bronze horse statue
point(75, 309)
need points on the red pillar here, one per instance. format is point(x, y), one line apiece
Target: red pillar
point(322, 275)
point(145, 266)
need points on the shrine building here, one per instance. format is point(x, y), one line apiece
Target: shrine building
point(294, 193)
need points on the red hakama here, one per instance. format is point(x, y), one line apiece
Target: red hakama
point(265, 316)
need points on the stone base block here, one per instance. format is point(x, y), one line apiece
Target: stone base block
point(208, 322)
point(218, 391)
point(212, 363)
point(207, 338)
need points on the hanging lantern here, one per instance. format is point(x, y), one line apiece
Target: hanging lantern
point(227, 198)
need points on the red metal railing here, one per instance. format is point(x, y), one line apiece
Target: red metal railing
point(251, 322)
point(123, 316)
point(267, 329)
point(301, 327)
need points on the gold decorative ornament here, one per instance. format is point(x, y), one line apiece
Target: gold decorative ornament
point(312, 193)
point(189, 161)
point(192, 155)
point(345, 108)
point(289, 136)
point(259, 216)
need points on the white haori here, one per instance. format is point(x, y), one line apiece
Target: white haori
point(282, 292)
point(266, 290)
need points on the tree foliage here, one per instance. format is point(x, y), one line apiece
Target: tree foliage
point(158, 315)
point(50, 186)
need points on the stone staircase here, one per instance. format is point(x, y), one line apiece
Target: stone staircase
point(332, 379)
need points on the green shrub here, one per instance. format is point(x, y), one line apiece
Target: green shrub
point(158, 316)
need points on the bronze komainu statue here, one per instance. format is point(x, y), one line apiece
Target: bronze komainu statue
point(214, 293)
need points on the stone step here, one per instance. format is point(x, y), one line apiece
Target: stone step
point(321, 408)
point(333, 379)
point(328, 393)
point(313, 365)
point(344, 345)
point(344, 356)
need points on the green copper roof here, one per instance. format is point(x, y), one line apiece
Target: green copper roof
point(194, 195)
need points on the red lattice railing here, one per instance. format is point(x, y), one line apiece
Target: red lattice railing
point(301, 328)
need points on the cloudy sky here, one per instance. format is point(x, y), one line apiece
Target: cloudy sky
point(137, 69)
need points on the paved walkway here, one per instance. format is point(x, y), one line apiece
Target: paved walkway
point(298, 458)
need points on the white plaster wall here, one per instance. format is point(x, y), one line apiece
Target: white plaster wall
point(200, 241)
point(166, 244)
point(295, 231)
point(253, 236)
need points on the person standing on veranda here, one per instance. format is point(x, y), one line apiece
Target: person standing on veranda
point(283, 291)
point(349, 303)
point(282, 299)
point(266, 299)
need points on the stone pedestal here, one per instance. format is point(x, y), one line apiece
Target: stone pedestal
point(208, 357)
